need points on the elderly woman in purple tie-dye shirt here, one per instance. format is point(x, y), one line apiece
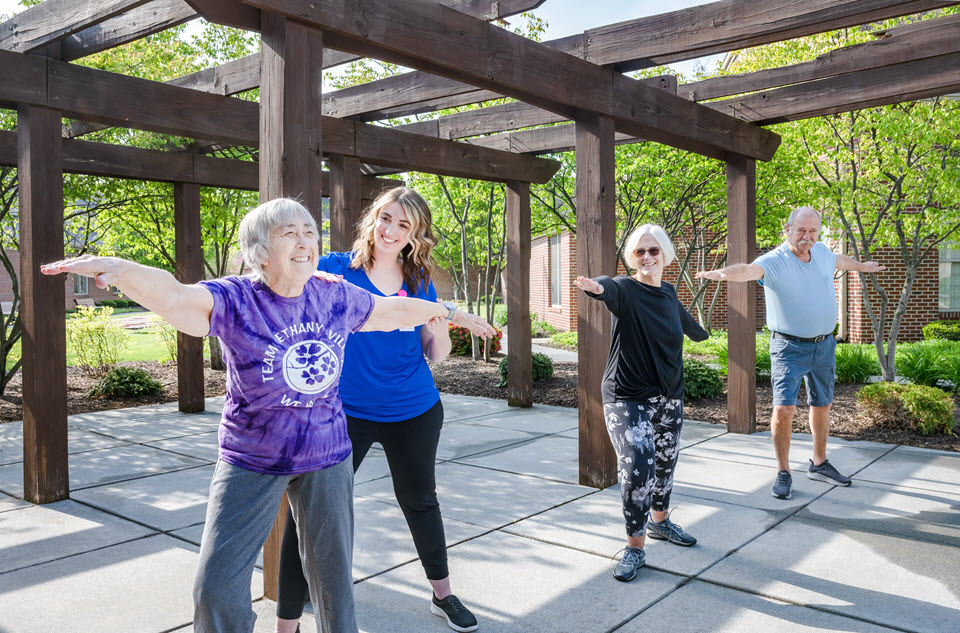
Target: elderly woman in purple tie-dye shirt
point(283, 427)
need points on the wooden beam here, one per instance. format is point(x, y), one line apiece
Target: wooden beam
point(596, 255)
point(920, 40)
point(87, 93)
point(434, 38)
point(544, 140)
point(45, 473)
point(519, 351)
point(51, 20)
point(741, 297)
point(920, 79)
point(290, 157)
point(346, 202)
point(188, 247)
point(151, 18)
point(228, 13)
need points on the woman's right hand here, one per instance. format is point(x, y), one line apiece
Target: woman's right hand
point(588, 285)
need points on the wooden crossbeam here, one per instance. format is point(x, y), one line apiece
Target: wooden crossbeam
point(151, 18)
point(87, 93)
point(437, 39)
point(920, 40)
point(47, 22)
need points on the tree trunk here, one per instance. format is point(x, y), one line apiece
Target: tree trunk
point(216, 354)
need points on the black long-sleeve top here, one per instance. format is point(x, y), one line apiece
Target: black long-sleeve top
point(646, 342)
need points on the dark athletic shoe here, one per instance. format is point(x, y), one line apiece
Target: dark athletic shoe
point(632, 560)
point(458, 616)
point(826, 472)
point(667, 530)
point(781, 489)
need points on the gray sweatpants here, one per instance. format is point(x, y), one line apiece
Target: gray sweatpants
point(240, 513)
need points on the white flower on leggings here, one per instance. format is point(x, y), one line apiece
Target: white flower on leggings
point(641, 495)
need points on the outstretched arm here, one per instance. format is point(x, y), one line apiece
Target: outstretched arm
point(734, 272)
point(186, 308)
point(845, 262)
point(390, 313)
point(588, 285)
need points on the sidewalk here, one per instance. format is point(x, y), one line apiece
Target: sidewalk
point(556, 355)
point(530, 550)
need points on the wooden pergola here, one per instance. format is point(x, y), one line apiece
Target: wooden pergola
point(459, 58)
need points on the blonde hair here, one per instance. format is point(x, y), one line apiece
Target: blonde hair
point(666, 244)
point(417, 266)
point(257, 227)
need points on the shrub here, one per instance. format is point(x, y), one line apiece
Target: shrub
point(945, 330)
point(565, 339)
point(460, 341)
point(856, 363)
point(700, 380)
point(710, 347)
point(925, 409)
point(96, 340)
point(127, 382)
point(541, 329)
point(923, 363)
point(500, 315)
point(542, 368)
point(763, 356)
point(167, 335)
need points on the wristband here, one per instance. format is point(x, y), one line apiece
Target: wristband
point(452, 307)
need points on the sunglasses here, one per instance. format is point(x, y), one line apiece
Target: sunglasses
point(653, 250)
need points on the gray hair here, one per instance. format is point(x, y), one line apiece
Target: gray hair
point(793, 215)
point(257, 227)
point(666, 245)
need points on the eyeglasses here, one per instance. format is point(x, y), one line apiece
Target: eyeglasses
point(653, 250)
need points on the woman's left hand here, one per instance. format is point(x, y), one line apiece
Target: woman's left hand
point(325, 276)
point(476, 325)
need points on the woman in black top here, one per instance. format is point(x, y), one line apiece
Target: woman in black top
point(643, 388)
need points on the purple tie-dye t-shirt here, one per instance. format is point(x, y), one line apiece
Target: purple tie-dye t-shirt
point(283, 414)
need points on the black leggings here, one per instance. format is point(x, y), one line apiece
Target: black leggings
point(411, 450)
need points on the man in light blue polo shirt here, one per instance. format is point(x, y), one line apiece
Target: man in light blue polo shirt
point(797, 280)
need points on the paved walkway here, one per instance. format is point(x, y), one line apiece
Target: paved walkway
point(530, 550)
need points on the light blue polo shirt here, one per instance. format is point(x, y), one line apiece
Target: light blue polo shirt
point(800, 297)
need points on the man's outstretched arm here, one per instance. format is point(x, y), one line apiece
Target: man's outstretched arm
point(734, 272)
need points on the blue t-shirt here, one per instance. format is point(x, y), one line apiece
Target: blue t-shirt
point(282, 414)
point(385, 376)
point(800, 297)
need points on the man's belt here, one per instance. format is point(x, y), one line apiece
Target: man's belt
point(800, 339)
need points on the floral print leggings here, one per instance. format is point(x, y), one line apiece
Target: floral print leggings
point(646, 437)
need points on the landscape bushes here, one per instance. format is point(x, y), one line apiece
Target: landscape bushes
point(96, 339)
point(127, 382)
point(927, 410)
point(700, 380)
point(542, 368)
point(460, 341)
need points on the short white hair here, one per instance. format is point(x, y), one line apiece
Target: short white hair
point(257, 227)
point(793, 215)
point(666, 244)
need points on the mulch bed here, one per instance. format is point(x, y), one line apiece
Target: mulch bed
point(460, 375)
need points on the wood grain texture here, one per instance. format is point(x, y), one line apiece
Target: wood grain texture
point(45, 23)
point(596, 255)
point(896, 46)
point(346, 201)
point(520, 351)
point(228, 13)
point(433, 38)
point(741, 302)
point(45, 472)
point(544, 140)
point(132, 25)
point(188, 269)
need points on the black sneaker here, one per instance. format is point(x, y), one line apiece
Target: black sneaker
point(826, 472)
point(667, 530)
point(632, 560)
point(458, 616)
point(781, 489)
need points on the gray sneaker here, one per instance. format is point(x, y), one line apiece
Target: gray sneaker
point(781, 489)
point(826, 472)
point(667, 530)
point(632, 560)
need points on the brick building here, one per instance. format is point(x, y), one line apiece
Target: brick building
point(553, 297)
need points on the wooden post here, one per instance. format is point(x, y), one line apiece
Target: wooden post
point(188, 270)
point(519, 351)
point(741, 297)
point(346, 205)
point(39, 170)
point(291, 70)
point(596, 255)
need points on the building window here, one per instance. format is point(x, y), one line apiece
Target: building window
point(80, 285)
point(950, 278)
point(555, 270)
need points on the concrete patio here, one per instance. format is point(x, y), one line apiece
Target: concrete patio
point(530, 550)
